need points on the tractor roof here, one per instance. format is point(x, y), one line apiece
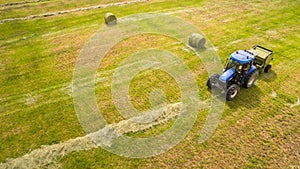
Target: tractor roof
point(242, 56)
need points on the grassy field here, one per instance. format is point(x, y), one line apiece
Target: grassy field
point(260, 129)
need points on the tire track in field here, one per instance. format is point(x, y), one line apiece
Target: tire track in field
point(64, 91)
point(71, 11)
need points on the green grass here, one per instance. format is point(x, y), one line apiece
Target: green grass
point(34, 8)
point(38, 58)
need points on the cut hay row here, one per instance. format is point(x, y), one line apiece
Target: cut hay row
point(71, 11)
point(20, 3)
point(48, 154)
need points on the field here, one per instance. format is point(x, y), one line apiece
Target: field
point(259, 129)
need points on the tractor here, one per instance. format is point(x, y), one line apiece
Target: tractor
point(241, 69)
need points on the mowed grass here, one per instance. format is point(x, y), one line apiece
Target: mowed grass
point(46, 6)
point(257, 130)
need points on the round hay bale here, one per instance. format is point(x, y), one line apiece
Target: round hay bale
point(110, 19)
point(197, 41)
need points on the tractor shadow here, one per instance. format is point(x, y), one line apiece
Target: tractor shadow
point(268, 77)
point(248, 98)
point(251, 97)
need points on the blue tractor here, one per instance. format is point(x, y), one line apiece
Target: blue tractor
point(242, 69)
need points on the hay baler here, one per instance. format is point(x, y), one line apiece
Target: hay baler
point(241, 69)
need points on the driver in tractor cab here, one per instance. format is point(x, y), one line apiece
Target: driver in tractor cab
point(245, 68)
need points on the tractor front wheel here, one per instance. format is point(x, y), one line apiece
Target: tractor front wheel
point(211, 80)
point(232, 92)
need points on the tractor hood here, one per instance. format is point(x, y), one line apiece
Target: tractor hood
point(227, 75)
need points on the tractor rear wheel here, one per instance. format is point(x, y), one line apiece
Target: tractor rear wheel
point(211, 80)
point(268, 68)
point(250, 79)
point(232, 92)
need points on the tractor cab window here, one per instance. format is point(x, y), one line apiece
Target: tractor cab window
point(232, 64)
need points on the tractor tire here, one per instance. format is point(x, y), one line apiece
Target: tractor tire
point(268, 68)
point(197, 41)
point(211, 79)
point(232, 92)
point(250, 79)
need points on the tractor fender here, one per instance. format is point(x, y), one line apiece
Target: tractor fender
point(252, 69)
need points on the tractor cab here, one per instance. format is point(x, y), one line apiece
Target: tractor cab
point(241, 60)
point(240, 64)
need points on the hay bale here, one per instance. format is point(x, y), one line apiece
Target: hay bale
point(197, 41)
point(110, 19)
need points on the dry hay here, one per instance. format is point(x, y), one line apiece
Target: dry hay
point(197, 41)
point(46, 155)
point(110, 19)
point(20, 3)
point(71, 11)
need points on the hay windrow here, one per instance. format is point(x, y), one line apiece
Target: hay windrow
point(20, 3)
point(48, 154)
point(71, 11)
